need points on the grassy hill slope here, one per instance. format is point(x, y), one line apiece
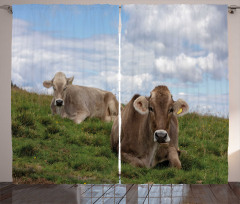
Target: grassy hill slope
point(49, 149)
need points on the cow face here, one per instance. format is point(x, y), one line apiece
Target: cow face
point(59, 83)
point(161, 108)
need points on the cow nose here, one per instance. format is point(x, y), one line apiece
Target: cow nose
point(161, 136)
point(59, 102)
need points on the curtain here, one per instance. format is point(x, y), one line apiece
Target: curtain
point(182, 47)
point(63, 138)
point(49, 145)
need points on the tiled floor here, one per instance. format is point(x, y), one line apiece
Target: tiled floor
point(109, 193)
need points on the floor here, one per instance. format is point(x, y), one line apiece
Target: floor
point(108, 193)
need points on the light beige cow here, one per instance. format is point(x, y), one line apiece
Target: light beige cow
point(149, 133)
point(79, 102)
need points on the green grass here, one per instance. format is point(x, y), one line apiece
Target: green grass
point(49, 149)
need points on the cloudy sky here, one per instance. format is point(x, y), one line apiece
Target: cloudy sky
point(182, 46)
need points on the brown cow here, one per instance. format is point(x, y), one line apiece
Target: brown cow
point(149, 133)
point(79, 102)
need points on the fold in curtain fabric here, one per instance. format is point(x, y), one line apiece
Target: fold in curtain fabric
point(174, 68)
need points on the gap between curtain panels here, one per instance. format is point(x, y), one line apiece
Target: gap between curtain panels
point(119, 95)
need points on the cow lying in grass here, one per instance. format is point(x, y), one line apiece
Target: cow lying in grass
point(79, 102)
point(149, 133)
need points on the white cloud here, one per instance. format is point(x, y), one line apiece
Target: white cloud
point(181, 37)
point(186, 68)
point(181, 94)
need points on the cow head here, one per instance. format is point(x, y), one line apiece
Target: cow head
point(161, 108)
point(59, 83)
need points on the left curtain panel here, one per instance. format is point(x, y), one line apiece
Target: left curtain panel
point(64, 93)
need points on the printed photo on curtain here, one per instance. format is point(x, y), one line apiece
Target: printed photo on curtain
point(174, 94)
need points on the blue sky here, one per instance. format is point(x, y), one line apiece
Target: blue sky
point(184, 47)
point(61, 20)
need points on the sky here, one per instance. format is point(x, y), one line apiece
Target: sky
point(181, 46)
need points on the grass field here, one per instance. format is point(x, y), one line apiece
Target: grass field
point(49, 149)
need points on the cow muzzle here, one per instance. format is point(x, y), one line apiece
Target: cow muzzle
point(161, 136)
point(59, 102)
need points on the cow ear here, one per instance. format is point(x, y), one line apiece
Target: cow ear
point(141, 105)
point(70, 80)
point(180, 107)
point(47, 83)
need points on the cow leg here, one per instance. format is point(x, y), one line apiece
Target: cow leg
point(64, 115)
point(174, 158)
point(111, 110)
point(81, 116)
point(132, 160)
point(109, 118)
point(53, 107)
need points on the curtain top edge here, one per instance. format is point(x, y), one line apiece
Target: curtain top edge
point(119, 2)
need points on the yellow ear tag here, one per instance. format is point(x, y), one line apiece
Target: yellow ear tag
point(180, 110)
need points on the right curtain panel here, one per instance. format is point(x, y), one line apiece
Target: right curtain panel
point(174, 94)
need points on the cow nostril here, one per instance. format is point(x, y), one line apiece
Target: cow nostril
point(160, 135)
point(59, 102)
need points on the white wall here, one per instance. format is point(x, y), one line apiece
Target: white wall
point(5, 78)
point(234, 96)
point(5, 93)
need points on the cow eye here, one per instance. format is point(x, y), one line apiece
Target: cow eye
point(150, 109)
point(170, 110)
point(54, 88)
point(64, 88)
